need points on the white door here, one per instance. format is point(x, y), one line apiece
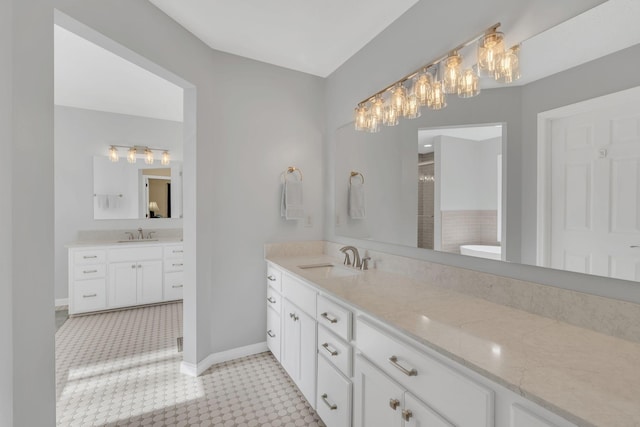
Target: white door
point(595, 191)
point(417, 414)
point(149, 282)
point(378, 401)
point(123, 278)
point(290, 356)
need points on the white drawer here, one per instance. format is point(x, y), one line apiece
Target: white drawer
point(135, 254)
point(335, 350)
point(90, 256)
point(89, 271)
point(334, 396)
point(274, 300)
point(173, 285)
point(273, 332)
point(300, 294)
point(174, 264)
point(89, 295)
point(334, 317)
point(440, 387)
point(174, 251)
point(274, 277)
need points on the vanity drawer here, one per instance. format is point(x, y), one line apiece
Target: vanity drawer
point(137, 254)
point(173, 285)
point(334, 396)
point(274, 277)
point(91, 256)
point(89, 295)
point(173, 265)
point(299, 294)
point(174, 251)
point(335, 350)
point(439, 386)
point(83, 272)
point(274, 300)
point(273, 332)
point(334, 317)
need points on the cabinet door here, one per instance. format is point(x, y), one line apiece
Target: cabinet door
point(123, 284)
point(308, 358)
point(149, 281)
point(334, 395)
point(273, 332)
point(378, 400)
point(417, 414)
point(290, 356)
point(173, 284)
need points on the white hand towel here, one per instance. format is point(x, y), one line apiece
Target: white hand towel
point(113, 201)
point(356, 200)
point(103, 202)
point(291, 207)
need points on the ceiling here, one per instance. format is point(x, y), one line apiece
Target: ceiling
point(308, 36)
point(91, 77)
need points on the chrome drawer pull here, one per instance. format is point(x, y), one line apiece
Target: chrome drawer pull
point(331, 406)
point(178, 265)
point(271, 334)
point(408, 372)
point(271, 300)
point(406, 414)
point(89, 271)
point(90, 296)
point(330, 319)
point(294, 317)
point(331, 352)
point(90, 256)
point(394, 403)
point(176, 286)
point(271, 277)
point(177, 252)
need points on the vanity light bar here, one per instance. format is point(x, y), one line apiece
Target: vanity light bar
point(132, 153)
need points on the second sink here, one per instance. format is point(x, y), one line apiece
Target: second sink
point(327, 270)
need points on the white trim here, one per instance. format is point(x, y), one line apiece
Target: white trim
point(223, 356)
point(545, 118)
point(61, 302)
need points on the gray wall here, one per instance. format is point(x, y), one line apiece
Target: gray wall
point(382, 63)
point(80, 135)
point(6, 306)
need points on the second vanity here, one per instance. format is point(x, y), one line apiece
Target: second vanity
point(104, 276)
point(371, 348)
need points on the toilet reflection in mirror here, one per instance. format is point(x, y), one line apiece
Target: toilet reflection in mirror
point(460, 190)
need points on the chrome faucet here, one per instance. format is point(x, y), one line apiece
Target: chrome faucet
point(140, 234)
point(356, 256)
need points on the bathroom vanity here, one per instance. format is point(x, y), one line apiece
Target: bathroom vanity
point(373, 348)
point(116, 275)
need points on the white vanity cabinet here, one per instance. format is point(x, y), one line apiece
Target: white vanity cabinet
point(115, 276)
point(298, 354)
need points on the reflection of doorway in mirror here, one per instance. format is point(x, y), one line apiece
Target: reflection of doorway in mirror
point(157, 192)
point(426, 188)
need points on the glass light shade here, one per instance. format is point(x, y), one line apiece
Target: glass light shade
point(373, 124)
point(148, 156)
point(451, 72)
point(390, 116)
point(399, 99)
point(468, 84)
point(437, 99)
point(508, 67)
point(131, 155)
point(377, 108)
point(153, 206)
point(361, 114)
point(490, 47)
point(422, 87)
point(165, 159)
point(113, 154)
point(413, 107)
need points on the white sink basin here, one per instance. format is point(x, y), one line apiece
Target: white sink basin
point(327, 270)
point(137, 241)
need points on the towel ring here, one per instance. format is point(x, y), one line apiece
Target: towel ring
point(354, 173)
point(292, 169)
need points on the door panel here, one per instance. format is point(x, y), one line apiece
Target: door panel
point(374, 393)
point(122, 284)
point(149, 281)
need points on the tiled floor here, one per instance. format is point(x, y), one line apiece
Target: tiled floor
point(122, 369)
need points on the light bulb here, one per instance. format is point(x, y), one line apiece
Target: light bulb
point(131, 155)
point(148, 156)
point(166, 159)
point(113, 154)
point(508, 65)
point(437, 100)
point(361, 113)
point(413, 107)
point(399, 99)
point(468, 85)
point(451, 72)
point(377, 108)
point(490, 47)
point(422, 87)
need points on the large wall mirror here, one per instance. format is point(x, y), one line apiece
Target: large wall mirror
point(123, 190)
point(546, 172)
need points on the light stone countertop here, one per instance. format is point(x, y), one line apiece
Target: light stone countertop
point(589, 378)
point(127, 244)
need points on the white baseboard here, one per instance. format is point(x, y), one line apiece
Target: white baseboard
point(62, 301)
point(223, 356)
